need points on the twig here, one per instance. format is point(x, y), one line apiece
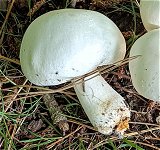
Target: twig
point(56, 142)
point(7, 16)
point(106, 3)
point(36, 7)
point(55, 112)
point(9, 97)
point(149, 145)
point(144, 123)
point(152, 138)
point(142, 131)
point(127, 135)
point(96, 72)
point(17, 120)
point(10, 60)
point(84, 125)
point(3, 5)
point(15, 96)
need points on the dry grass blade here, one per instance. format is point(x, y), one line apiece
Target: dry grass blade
point(151, 138)
point(144, 123)
point(142, 131)
point(10, 60)
point(145, 144)
point(13, 98)
point(53, 144)
point(7, 16)
point(126, 135)
point(94, 73)
point(17, 120)
point(107, 3)
point(36, 7)
point(84, 125)
point(3, 5)
point(38, 93)
point(104, 69)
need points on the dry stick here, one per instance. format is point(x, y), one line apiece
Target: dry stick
point(115, 138)
point(137, 3)
point(39, 93)
point(3, 5)
point(7, 79)
point(104, 141)
point(143, 131)
point(71, 97)
point(15, 96)
point(74, 2)
point(152, 138)
point(7, 16)
point(149, 145)
point(144, 123)
point(55, 112)
point(84, 125)
point(100, 70)
point(151, 132)
point(15, 126)
point(33, 95)
point(36, 7)
point(10, 60)
point(1, 39)
point(92, 128)
point(61, 139)
point(127, 135)
point(11, 77)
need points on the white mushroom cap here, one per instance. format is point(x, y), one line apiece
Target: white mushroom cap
point(145, 69)
point(67, 43)
point(150, 13)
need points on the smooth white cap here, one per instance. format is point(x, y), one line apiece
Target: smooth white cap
point(150, 13)
point(145, 69)
point(63, 44)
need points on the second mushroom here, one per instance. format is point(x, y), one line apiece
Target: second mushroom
point(68, 43)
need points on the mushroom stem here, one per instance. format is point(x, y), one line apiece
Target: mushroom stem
point(104, 107)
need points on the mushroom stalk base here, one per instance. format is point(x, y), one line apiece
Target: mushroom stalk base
point(104, 107)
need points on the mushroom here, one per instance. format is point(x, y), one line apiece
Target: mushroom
point(145, 69)
point(150, 10)
point(64, 44)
